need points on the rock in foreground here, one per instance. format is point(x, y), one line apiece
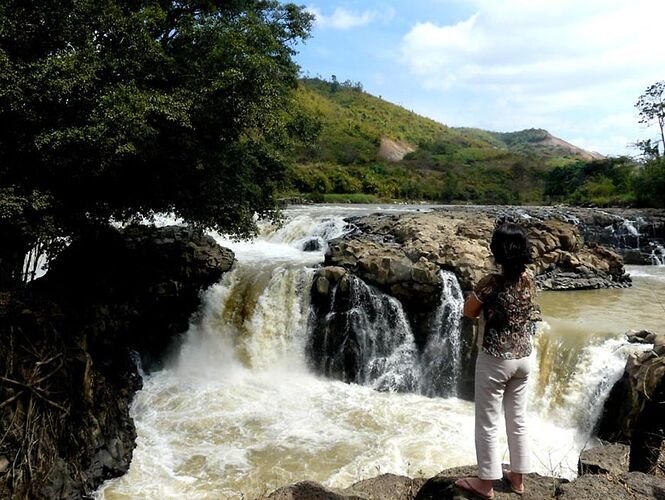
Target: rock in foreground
point(66, 353)
point(610, 486)
point(635, 408)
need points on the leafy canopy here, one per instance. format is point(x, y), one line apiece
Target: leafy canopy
point(118, 108)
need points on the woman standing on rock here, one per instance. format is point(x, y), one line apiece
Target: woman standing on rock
point(502, 367)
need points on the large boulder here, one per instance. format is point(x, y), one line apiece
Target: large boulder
point(70, 351)
point(383, 487)
point(611, 458)
point(626, 486)
point(403, 254)
point(142, 279)
point(635, 408)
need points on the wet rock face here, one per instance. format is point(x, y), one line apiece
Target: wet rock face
point(635, 409)
point(358, 334)
point(637, 235)
point(143, 279)
point(70, 344)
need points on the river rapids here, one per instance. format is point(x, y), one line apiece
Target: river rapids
point(238, 411)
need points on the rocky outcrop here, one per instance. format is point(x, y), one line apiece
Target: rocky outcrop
point(626, 486)
point(635, 409)
point(70, 349)
point(611, 458)
point(638, 235)
point(609, 481)
point(403, 254)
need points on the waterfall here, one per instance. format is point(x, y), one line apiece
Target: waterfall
point(570, 384)
point(244, 405)
point(253, 319)
point(305, 232)
point(441, 358)
point(366, 336)
point(657, 254)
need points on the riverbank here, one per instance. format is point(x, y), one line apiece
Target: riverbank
point(74, 346)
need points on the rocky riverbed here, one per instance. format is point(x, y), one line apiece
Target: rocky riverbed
point(406, 256)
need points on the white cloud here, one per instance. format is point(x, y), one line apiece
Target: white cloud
point(570, 63)
point(343, 19)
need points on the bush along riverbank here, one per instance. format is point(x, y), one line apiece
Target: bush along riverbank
point(72, 346)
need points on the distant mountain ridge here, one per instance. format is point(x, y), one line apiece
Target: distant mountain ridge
point(535, 140)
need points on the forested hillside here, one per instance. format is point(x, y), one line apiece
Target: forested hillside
point(363, 148)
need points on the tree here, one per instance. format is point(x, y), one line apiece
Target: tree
point(122, 108)
point(651, 105)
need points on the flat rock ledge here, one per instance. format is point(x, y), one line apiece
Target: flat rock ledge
point(605, 477)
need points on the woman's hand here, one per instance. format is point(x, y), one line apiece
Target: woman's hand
point(472, 306)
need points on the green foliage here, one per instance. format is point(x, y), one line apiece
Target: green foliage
point(649, 184)
point(353, 123)
point(458, 165)
point(124, 108)
point(600, 182)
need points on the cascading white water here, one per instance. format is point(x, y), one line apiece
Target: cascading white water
point(657, 254)
point(383, 348)
point(441, 358)
point(388, 354)
point(237, 413)
point(570, 385)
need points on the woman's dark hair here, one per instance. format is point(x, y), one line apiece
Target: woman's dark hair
point(510, 247)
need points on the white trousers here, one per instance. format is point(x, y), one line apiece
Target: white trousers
point(501, 382)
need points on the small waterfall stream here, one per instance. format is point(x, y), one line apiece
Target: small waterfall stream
point(657, 254)
point(442, 357)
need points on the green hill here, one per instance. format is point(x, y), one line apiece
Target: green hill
point(369, 149)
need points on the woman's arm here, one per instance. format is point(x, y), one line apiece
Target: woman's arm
point(472, 306)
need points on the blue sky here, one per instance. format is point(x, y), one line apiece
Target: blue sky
point(573, 67)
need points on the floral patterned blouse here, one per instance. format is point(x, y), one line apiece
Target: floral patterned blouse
point(510, 313)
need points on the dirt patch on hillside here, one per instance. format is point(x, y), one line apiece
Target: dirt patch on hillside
point(391, 150)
